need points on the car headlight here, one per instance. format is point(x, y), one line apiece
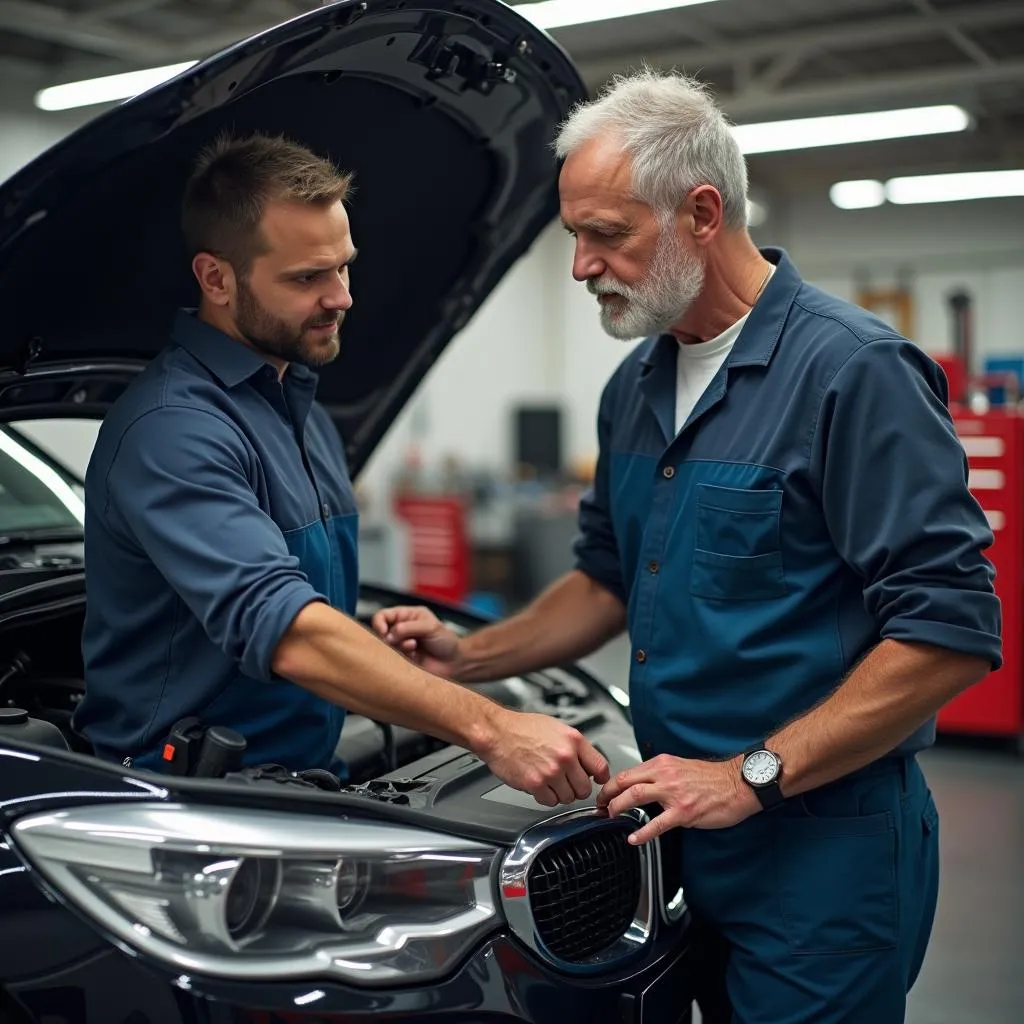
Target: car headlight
point(265, 895)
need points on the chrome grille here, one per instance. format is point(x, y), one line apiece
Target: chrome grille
point(584, 893)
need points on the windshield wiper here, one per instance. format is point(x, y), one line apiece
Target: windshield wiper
point(40, 535)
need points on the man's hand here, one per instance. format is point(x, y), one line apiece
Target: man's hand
point(693, 794)
point(419, 635)
point(536, 754)
point(544, 757)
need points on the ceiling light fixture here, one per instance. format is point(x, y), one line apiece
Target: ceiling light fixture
point(950, 188)
point(561, 13)
point(843, 129)
point(928, 188)
point(107, 89)
point(857, 195)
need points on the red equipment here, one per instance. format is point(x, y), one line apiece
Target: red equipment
point(439, 546)
point(994, 443)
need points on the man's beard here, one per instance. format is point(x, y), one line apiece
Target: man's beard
point(275, 337)
point(672, 284)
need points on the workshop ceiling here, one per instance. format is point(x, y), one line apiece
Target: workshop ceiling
point(766, 59)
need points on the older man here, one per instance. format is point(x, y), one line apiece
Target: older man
point(781, 515)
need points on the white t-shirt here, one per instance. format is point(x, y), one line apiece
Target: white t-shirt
point(697, 364)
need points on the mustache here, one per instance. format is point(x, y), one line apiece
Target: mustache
point(600, 286)
point(332, 321)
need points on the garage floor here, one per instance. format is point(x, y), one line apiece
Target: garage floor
point(974, 971)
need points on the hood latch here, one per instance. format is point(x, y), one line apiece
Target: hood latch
point(445, 59)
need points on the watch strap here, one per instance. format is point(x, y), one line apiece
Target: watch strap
point(769, 796)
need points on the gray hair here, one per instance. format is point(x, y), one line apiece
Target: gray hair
point(675, 134)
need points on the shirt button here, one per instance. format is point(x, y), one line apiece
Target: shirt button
point(668, 472)
point(327, 510)
point(653, 566)
point(648, 748)
point(641, 656)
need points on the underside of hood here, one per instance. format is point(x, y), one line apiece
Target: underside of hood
point(445, 112)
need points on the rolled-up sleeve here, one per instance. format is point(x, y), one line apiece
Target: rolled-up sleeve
point(893, 482)
point(180, 486)
point(595, 549)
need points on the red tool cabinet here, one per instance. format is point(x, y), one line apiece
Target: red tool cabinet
point(439, 545)
point(994, 442)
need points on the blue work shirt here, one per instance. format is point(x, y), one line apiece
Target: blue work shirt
point(218, 505)
point(814, 502)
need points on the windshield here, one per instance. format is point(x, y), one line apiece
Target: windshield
point(33, 496)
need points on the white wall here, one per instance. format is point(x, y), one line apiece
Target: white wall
point(997, 292)
point(938, 236)
point(937, 248)
point(67, 440)
point(509, 354)
point(26, 132)
point(25, 136)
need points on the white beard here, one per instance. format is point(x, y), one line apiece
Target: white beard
point(672, 285)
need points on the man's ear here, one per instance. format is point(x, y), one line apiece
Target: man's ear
point(216, 278)
point(702, 214)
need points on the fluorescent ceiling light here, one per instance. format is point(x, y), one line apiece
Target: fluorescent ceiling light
point(949, 188)
point(928, 188)
point(857, 195)
point(842, 129)
point(559, 13)
point(108, 88)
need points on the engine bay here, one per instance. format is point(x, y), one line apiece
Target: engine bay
point(41, 671)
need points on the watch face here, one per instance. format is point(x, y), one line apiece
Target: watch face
point(761, 768)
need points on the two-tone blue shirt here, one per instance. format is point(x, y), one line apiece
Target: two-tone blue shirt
point(218, 505)
point(814, 502)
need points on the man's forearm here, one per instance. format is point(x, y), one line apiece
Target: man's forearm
point(890, 694)
point(330, 654)
point(569, 620)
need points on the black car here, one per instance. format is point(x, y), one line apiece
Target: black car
point(423, 888)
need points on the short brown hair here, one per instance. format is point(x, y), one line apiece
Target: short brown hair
point(233, 181)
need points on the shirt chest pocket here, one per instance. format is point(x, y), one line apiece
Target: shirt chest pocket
point(737, 551)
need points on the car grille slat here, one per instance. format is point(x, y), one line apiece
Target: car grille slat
point(584, 893)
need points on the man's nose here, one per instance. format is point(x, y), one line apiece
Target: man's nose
point(586, 264)
point(339, 297)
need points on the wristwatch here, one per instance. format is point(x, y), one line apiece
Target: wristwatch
point(761, 770)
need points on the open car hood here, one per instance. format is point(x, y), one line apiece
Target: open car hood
point(445, 111)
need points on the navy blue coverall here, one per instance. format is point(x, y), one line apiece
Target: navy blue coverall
point(218, 505)
point(814, 502)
